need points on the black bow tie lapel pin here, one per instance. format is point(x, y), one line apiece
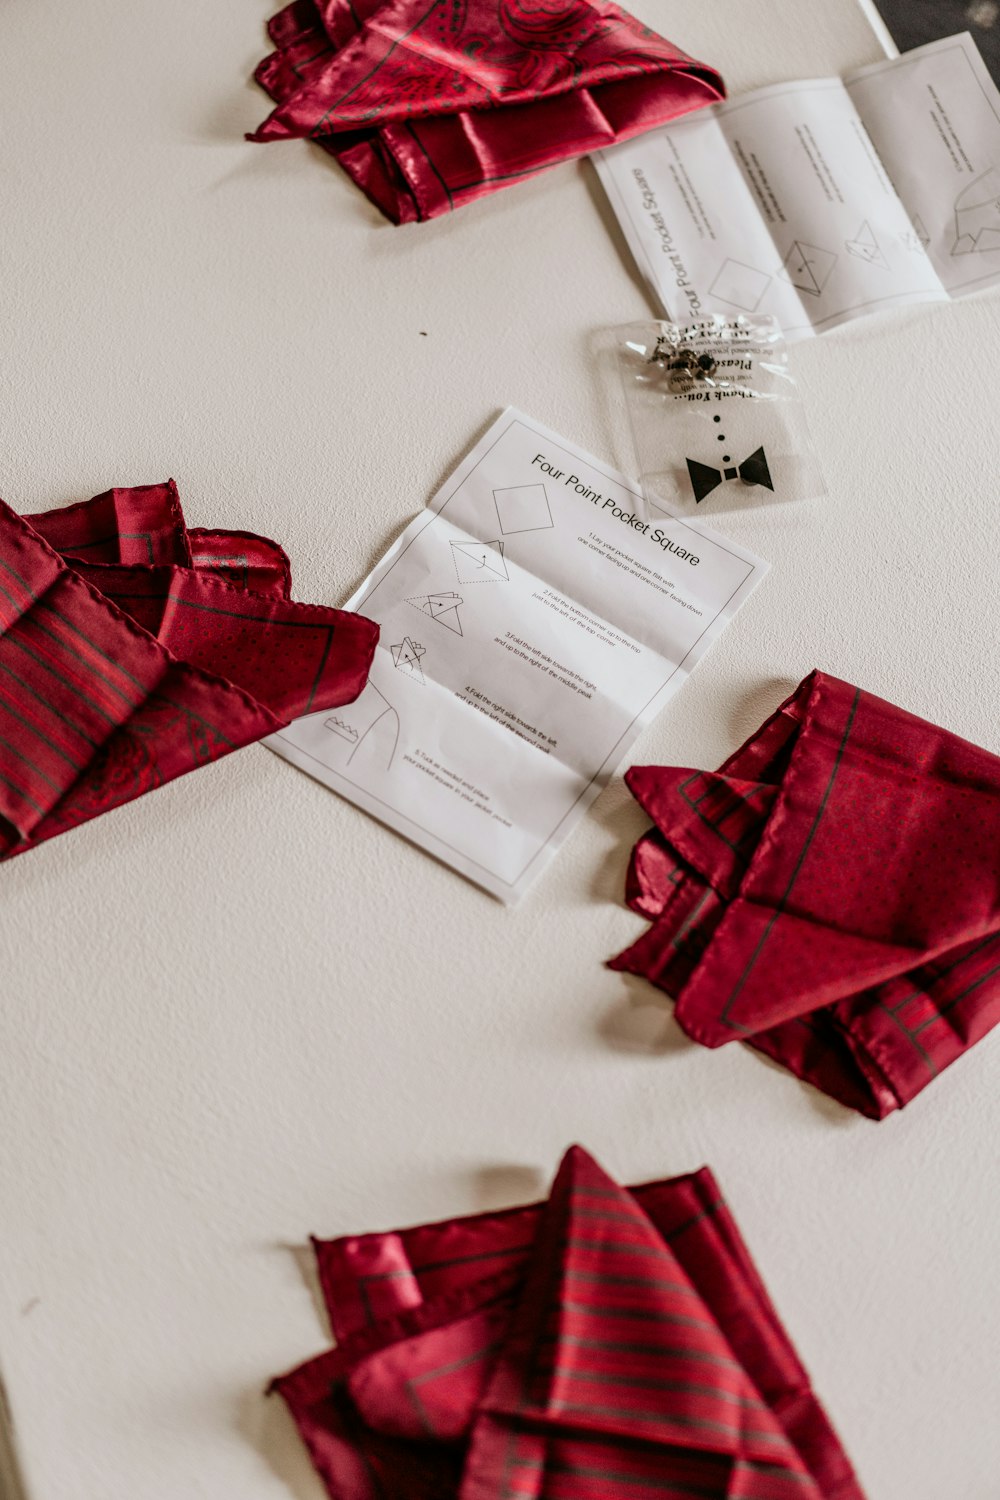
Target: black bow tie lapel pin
point(705, 479)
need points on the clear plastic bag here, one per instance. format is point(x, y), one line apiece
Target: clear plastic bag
point(716, 417)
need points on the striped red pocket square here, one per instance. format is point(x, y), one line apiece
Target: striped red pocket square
point(830, 895)
point(607, 1345)
point(133, 650)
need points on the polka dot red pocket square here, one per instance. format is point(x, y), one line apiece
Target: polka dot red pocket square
point(831, 895)
point(429, 104)
point(609, 1344)
point(133, 650)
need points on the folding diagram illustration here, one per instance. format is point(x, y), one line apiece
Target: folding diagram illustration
point(358, 723)
point(917, 237)
point(407, 656)
point(739, 285)
point(479, 562)
point(866, 247)
point(524, 507)
point(977, 215)
point(877, 190)
point(808, 268)
point(442, 608)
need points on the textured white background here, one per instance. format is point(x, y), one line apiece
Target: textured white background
point(238, 1011)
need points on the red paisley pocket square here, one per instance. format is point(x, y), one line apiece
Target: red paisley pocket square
point(831, 895)
point(428, 106)
point(609, 1344)
point(133, 650)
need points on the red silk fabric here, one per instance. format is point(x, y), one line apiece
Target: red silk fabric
point(831, 895)
point(607, 1344)
point(133, 650)
point(430, 105)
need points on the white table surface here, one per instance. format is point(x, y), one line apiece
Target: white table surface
point(239, 1011)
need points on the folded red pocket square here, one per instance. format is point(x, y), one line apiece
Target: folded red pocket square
point(133, 650)
point(608, 1344)
point(430, 105)
point(831, 895)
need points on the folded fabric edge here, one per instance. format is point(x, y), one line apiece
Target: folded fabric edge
point(175, 509)
point(276, 126)
point(208, 578)
point(266, 721)
point(205, 535)
point(797, 1407)
point(212, 679)
point(768, 1353)
point(794, 706)
point(852, 1076)
point(377, 160)
point(859, 1075)
point(322, 615)
point(483, 1216)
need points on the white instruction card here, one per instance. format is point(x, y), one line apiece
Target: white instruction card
point(821, 200)
point(533, 622)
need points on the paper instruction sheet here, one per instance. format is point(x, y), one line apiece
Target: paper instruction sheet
point(822, 200)
point(533, 622)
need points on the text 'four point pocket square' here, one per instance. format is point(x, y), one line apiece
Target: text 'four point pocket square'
point(609, 1344)
point(831, 895)
point(133, 650)
point(428, 106)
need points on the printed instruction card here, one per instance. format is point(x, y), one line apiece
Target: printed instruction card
point(533, 622)
point(821, 200)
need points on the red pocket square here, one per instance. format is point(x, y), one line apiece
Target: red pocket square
point(430, 105)
point(831, 895)
point(607, 1343)
point(133, 650)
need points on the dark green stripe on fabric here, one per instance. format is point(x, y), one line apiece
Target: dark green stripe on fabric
point(40, 734)
point(668, 1488)
point(82, 635)
point(665, 1383)
point(34, 624)
point(657, 1416)
point(653, 1351)
point(616, 1310)
point(803, 854)
point(66, 681)
point(36, 770)
point(25, 796)
point(50, 707)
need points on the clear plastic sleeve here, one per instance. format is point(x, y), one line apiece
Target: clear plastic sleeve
point(716, 418)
